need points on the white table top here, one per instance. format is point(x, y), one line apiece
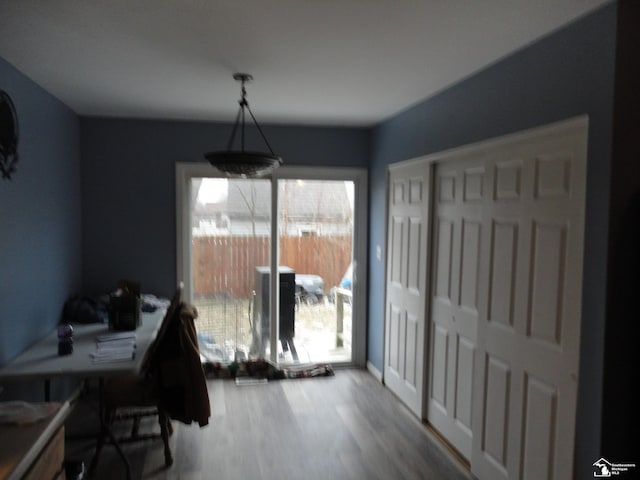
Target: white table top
point(41, 360)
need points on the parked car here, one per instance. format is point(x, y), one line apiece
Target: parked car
point(309, 289)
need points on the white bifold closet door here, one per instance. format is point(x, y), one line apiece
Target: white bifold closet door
point(503, 312)
point(407, 289)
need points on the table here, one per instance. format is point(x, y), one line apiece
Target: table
point(41, 360)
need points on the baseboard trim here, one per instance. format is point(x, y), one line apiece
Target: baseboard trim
point(448, 449)
point(374, 371)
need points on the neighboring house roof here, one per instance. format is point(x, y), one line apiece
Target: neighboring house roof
point(308, 202)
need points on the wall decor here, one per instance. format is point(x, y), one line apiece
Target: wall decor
point(8, 136)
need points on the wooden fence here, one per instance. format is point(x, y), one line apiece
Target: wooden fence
point(226, 264)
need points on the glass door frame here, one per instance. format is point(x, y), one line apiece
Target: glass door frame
point(187, 171)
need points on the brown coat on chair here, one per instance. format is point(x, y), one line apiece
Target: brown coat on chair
point(179, 380)
point(172, 380)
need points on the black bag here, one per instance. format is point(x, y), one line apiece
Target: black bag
point(82, 309)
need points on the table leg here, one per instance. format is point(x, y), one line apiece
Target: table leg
point(105, 431)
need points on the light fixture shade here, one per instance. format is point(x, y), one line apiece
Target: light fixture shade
point(240, 163)
point(243, 164)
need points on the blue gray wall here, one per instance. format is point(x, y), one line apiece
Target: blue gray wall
point(566, 74)
point(40, 217)
point(128, 181)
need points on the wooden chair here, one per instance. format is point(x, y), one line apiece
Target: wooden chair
point(134, 397)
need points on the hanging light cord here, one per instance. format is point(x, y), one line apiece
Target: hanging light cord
point(240, 117)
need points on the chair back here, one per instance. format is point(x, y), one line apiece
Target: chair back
point(172, 311)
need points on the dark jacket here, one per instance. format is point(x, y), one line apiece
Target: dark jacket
point(180, 383)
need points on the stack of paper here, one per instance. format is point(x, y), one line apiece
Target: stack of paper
point(114, 347)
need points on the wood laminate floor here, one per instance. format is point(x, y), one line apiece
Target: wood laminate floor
point(344, 427)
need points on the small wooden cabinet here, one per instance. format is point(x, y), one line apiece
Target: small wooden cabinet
point(34, 451)
point(50, 462)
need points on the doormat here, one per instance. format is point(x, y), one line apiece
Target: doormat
point(263, 369)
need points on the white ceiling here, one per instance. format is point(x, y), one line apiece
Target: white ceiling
point(332, 62)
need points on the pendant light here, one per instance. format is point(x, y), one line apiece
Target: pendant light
point(240, 163)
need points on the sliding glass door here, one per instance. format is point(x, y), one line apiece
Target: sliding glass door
point(307, 279)
point(315, 225)
point(230, 239)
